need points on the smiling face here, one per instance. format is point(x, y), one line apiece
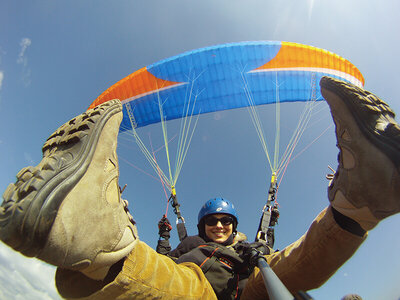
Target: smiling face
point(221, 231)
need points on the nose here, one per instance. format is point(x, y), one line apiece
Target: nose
point(219, 224)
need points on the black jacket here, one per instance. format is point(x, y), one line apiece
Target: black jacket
point(227, 268)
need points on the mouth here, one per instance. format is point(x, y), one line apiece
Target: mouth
point(219, 233)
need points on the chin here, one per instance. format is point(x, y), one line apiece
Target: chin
point(220, 240)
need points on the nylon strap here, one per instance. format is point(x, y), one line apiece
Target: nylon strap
point(180, 221)
point(265, 232)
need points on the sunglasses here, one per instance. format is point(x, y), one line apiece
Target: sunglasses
point(212, 221)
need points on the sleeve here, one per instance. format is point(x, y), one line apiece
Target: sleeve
point(189, 243)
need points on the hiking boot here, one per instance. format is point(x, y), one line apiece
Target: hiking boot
point(366, 184)
point(67, 210)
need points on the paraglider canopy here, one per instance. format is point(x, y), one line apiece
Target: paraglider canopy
point(220, 77)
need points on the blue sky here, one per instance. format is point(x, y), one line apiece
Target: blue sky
point(56, 57)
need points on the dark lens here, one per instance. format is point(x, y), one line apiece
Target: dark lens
point(226, 220)
point(212, 221)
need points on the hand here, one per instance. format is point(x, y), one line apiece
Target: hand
point(164, 227)
point(245, 251)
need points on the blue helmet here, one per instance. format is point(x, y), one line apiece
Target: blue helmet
point(217, 206)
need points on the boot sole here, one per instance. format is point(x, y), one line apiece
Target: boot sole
point(366, 108)
point(31, 204)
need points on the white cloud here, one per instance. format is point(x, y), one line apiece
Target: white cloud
point(25, 43)
point(1, 71)
point(23, 60)
point(25, 278)
point(1, 78)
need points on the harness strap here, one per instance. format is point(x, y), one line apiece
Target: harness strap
point(180, 221)
point(269, 217)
